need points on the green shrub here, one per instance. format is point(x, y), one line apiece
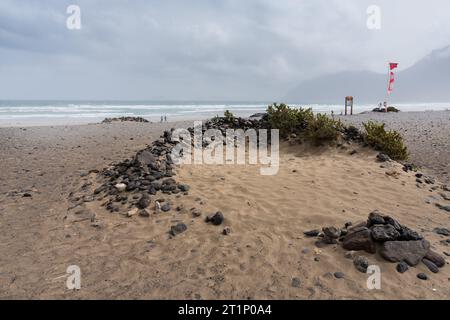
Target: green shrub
point(288, 120)
point(389, 142)
point(322, 128)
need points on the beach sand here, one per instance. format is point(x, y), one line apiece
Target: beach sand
point(266, 250)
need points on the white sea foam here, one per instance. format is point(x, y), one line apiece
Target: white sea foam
point(85, 112)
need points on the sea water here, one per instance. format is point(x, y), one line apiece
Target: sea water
point(16, 112)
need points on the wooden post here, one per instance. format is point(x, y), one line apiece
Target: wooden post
point(349, 103)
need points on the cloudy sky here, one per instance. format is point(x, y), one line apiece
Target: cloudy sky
point(204, 49)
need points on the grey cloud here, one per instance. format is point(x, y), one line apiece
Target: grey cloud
point(230, 49)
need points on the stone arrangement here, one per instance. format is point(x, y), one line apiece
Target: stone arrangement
point(125, 119)
point(383, 235)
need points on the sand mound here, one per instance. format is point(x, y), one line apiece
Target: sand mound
point(264, 253)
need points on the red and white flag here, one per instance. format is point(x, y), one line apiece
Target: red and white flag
point(391, 83)
point(392, 66)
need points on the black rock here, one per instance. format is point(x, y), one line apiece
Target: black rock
point(393, 222)
point(183, 187)
point(143, 202)
point(412, 252)
point(402, 267)
point(166, 207)
point(296, 283)
point(216, 219)
point(375, 218)
point(436, 258)
point(445, 208)
point(360, 240)
point(361, 263)
point(339, 275)
point(431, 266)
point(442, 231)
point(422, 276)
point(384, 233)
point(407, 234)
point(331, 234)
point(179, 228)
point(312, 233)
point(382, 157)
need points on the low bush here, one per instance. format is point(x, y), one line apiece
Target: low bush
point(389, 142)
point(322, 128)
point(288, 120)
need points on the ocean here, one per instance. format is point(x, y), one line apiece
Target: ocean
point(13, 113)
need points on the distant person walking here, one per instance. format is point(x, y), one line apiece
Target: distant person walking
point(165, 118)
point(162, 119)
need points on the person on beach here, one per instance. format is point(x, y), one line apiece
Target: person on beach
point(162, 119)
point(165, 118)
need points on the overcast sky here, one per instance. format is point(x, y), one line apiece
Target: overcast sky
point(199, 49)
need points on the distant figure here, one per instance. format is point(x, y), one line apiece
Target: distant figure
point(385, 106)
point(380, 105)
point(165, 118)
point(162, 119)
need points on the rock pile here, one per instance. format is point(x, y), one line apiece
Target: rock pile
point(384, 235)
point(123, 119)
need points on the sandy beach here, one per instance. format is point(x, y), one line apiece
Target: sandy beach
point(265, 256)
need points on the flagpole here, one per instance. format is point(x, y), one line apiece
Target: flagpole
point(389, 79)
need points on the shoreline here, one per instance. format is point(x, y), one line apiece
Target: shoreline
point(71, 121)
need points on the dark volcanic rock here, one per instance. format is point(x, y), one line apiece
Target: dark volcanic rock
point(143, 202)
point(331, 234)
point(402, 267)
point(361, 263)
point(445, 208)
point(407, 234)
point(412, 252)
point(166, 207)
point(422, 276)
point(384, 233)
point(375, 218)
point(216, 219)
point(436, 258)
point(382, 157)
point(179, 228)
point(361, 240)
point(442, 231)
point(431, 266)
point(312, 233)
point(394, 223)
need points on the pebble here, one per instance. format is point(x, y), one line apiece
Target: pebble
point(121, 187)
point(422, 276)
point(361, 263)
point(296, 283)
point(339, 275)
point(226, 231)
point(166, 207)
point(402, 267)
point(312, 233)
point(216, 219)
point(177, 229)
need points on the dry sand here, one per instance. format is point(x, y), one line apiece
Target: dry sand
point(134, 257)
point(427, 135)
